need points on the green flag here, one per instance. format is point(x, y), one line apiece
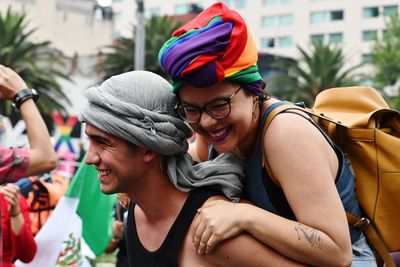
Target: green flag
point(95, 208)
point(79, 226)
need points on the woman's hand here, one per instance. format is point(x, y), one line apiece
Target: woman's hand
point(10, 83)
point(118, 230)
point(11, 195)
point(216, 221)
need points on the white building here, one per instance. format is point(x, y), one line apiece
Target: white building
point(279, 25)
point(72, 26)
point(78, 29)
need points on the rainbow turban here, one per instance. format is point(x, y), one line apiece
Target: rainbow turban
point(214, 46)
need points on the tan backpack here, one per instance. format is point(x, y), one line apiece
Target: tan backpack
point(361, 123)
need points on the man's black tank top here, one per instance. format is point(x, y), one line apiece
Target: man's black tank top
point(167, 254)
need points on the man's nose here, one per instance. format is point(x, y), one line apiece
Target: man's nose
point(92, 156)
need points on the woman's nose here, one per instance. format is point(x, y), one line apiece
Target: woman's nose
point(206, 120)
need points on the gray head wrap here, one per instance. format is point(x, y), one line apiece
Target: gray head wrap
point(138, 106)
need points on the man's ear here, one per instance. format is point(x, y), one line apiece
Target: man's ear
point(149, 155)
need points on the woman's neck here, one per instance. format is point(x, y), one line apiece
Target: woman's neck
point(246, 147)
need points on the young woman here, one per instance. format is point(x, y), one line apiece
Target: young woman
point(300, 202)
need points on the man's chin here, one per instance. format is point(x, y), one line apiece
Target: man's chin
point(107, 191)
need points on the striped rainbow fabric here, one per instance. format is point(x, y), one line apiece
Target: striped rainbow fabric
point(214, 46)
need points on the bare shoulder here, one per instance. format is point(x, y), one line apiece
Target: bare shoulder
point(292, 143)
point(290, 124)
point(288, 131)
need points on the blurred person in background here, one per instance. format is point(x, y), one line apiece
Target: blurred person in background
point(18, 242)
point(16, 163)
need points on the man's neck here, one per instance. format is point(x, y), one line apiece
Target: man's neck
point(158, 200)
point(157, 206)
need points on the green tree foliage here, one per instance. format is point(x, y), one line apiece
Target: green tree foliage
point(120, 57)
point(34, 62)
point(317, 70)
point(386, 59)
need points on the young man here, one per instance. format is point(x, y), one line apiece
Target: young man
point(139, 148)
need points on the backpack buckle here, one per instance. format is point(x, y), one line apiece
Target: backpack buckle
point(362, 223)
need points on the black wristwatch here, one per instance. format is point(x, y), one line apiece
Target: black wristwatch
point(24, 95)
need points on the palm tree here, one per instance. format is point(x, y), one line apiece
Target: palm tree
point(385, 58)
point(121, 54)
point(320, 69)
point(34, 62)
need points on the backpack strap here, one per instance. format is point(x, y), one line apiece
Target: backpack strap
point(373, 237)
point(360, 223)
point(268, 121)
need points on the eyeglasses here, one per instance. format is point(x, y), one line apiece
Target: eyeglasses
point(217, 109)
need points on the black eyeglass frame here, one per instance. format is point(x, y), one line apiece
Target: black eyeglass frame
point(200, 110)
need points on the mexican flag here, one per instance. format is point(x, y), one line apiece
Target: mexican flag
point(79, 226)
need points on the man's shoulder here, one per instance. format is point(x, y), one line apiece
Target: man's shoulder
point(215, 197)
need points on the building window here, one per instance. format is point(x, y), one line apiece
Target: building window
point(285, 20)
point(390, 10)
point(118, 16)
point(267, 42)
point(317, 38)
point(181, 9)
point(318, 17)
point(337, 15)
point(285, 41)
point(366, 58)
point(270, 2)
point(369, 35)
point(240, 4)
point(336, 38)
point(275, 2)
point(370, 12)
point(269, 21)
point(153, 12)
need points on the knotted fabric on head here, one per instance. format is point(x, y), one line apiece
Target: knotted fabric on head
point(214, 46)
point(138, 107)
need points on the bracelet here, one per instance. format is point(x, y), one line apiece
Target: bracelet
point(15, 215)
point(24, 95)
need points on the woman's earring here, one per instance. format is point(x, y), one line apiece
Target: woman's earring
point(255, 104)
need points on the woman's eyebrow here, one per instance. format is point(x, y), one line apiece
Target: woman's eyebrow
point(215, 98)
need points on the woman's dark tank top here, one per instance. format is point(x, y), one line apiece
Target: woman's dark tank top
point(167, 254)
point(260, 189)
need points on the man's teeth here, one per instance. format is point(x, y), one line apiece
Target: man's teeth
point(104, 173)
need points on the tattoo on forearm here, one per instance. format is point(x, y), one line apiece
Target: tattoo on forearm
point(311, 235)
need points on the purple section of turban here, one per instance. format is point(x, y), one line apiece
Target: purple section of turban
point(211, 41)
point(203, 76)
